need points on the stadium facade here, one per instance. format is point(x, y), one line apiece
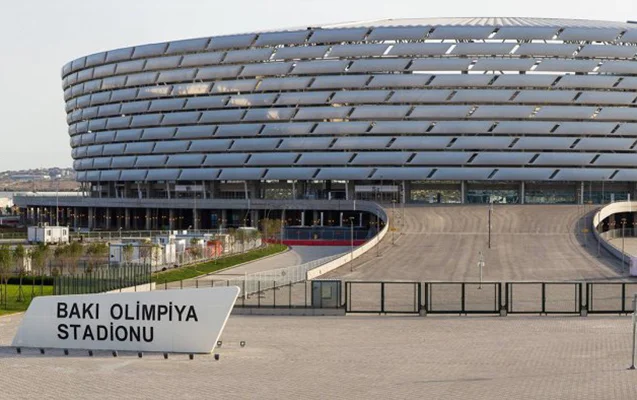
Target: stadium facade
point(516, 110)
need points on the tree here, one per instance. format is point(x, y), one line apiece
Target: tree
point(20, 257)
point(97, 252)
point(6, 261)
point(61, 254)
point(39, 256)
point(195, 248)
point(127, 252)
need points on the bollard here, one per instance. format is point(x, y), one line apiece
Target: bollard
point(242, 343)
point(41, 351)
point(219, 343)
point(191, 356)
point(217, 356)
point(90, 353)
point(140, 354)
point(165, 356)
point(66, 352)
point(115, 354)
point(18, 350)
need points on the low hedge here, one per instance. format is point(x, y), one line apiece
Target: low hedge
point(31, 280)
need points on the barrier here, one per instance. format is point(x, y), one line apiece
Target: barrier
point(605, 212)
point(339, 262)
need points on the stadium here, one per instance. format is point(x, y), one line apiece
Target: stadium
point(300, 124)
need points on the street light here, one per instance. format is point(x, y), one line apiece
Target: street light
point(393, 217)
point(351, 223)
point(490, 212)
point(623, 225)
point(480, 266)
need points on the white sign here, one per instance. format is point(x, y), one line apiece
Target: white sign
point(181, 321)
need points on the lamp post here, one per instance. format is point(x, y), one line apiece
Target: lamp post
point(351, 224)
point(393, 217)
point(623, 255)
point(480, 266)
point(489, 222)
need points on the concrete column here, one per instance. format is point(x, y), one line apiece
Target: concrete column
point(224, 219)
point(195, 218)
point(522, 192)
point(581, 193)
point(171, 217)
point(148, 220)
point(340, 220)
point(406, 191)
point(254, 218)
point(360, 220)
point(107, 218)
point(322, 220)
point(315, 217)
point(302, 218)
point(127, 219)
point(349, 190)
point(463, 190)
point(91, 217)
point(75, 216)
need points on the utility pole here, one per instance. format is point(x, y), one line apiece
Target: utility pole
point(490, 212)
point(480, 266)
point(351, 224)
point(393, 224)
point(623, 254)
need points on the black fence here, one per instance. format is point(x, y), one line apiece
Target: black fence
point(490, 297)
point(102, 280)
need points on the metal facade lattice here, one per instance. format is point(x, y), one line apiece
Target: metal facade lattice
point(422, 99)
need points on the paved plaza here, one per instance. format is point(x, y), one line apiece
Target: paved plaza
point(352, 357)
point(528, 243)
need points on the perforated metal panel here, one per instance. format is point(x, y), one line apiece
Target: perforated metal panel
point(500, 99)
point(469, 173)
point(381, 158)
point(441, 158)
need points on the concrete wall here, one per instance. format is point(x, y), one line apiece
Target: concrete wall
point(605, 212)
point(339, 262)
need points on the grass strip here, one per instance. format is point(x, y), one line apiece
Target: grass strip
point(29, 292)
point(193, 271)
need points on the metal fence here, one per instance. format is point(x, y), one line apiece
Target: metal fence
point(490, 297)
point(102, 280)
point(257, 282)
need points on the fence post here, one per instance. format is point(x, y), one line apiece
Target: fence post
point(543, 298)
point(290, 295)
point(258, 294)
point(382, 297)
point(245, 294)
point(274, 294)
point(462, 299)
point(305, 295)
point(624, 298)
point(583, 308)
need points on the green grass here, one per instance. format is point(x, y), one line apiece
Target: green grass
point(193, 271)
point(28, 291)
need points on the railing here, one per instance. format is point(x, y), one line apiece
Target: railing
point(462, 298)
point(102, 280)
point(110, 235)
point(258, 282)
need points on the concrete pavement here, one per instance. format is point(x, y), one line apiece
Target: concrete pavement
point(362, 357)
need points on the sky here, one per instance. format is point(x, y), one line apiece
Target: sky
point(39, 36)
